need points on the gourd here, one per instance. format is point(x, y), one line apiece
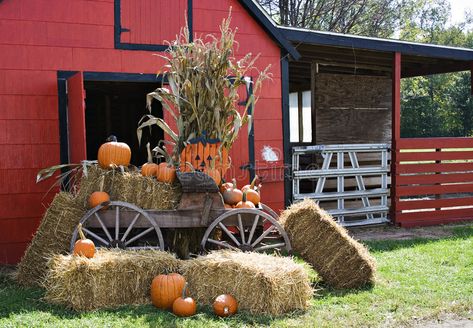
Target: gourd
point(113, 153)
point(225, 305)
point(149, 168)
point(84, 247)
point(165, 289)
point(184, 306)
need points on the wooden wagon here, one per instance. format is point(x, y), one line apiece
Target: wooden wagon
point(118, 224)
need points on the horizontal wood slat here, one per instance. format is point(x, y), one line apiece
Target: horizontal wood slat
point(426, 168)
point(434, 203)
point(466, 213)
point(429, 179)
point(435, 156)
point(421, 143)
point(433, 190)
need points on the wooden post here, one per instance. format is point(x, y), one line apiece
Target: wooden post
point(396, 130)
point(313, 74)
point(471, 78)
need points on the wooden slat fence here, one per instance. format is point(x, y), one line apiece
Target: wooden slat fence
point(433, 181)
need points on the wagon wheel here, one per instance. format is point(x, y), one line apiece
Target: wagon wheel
point(120, 225)
point(270, 211)
point(249, 230)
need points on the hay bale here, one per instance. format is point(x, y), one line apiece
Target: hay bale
point(110, 279)
point(340, 260)
point(131, 187)
point(261, 283)
point(52, 237)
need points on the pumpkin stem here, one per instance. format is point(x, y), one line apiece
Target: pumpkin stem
point(234, 183)
point(252, 185)
point(102, 180)
point(148, 150)
point(81, 233)
point(184, 290)
point(112, 138)
point(243, 200)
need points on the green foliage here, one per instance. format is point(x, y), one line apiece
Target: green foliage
point(205, 80)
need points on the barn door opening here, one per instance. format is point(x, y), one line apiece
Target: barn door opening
point(75, 118)
point(116, 108)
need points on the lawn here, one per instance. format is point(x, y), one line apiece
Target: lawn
point(418, 279)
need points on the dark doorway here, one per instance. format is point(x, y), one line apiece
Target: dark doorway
point(116, 108)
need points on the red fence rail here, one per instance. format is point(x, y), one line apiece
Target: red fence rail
point(433, 181)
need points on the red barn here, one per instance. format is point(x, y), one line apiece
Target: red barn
point(72, 72)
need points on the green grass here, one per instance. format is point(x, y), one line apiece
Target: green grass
point(417, 280)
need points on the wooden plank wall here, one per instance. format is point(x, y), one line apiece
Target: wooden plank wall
point(352, 109)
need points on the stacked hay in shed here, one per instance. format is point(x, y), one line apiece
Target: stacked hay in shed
point(262, 284)
point(109, 279)
point(340, 260)
point(55, 231)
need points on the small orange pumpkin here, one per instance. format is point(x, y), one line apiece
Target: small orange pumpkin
point(84, 247)
point(251, 185)
point(113, 153)
point(232, 195)
point(166, 173)
point(98, 197)
point(225, 186)
point(253, 196)
point(184, 306)
point(165, 289)
point(225, 305)
point(149, 168)
point(244, 203)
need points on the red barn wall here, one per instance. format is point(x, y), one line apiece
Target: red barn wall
point(40, 37)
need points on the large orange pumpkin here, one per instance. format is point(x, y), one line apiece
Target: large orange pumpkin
point(84, 247)
point(166, 173)
point(113, 153)
point(225, 305)
point(165, 289)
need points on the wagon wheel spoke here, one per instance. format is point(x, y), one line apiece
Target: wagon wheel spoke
point(271, 246)
point(229, 234)
point(253, 228)
point(130, 226)
point(104, 228)
point(240, 227)
point(117, 221)
point(221, 243)
point(103, 241)
point(139, 236)
point(263, 235)
point(136, 248)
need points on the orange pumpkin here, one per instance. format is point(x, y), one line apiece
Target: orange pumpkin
point(251, 185)
point(225, 305)
point(225, 186)
point(149, 168)
point(166, 173)
point(184, 306)
point(232, 195)
point(214, 174)
point(165, 289)
point(244, 203)
point(97, 198)
point(253, 196)
point(113, 153)
point(84, 247)
point(228, 207)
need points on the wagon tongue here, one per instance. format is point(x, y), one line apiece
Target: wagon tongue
point(196, 182)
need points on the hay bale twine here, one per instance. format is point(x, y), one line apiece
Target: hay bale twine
point(261, 283)
point(111, 278)
point(340, 260)
point(52, 237)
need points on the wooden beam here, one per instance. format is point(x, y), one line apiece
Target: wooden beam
point(314, 70)
point(471, 78)
point(396, 130)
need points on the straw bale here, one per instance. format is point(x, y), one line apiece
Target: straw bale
point(111, 278)
point(340, 260)
point(52, 237)
point(261, 283)
point(131, 187)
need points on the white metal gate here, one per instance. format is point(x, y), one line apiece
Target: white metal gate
point(357, 193)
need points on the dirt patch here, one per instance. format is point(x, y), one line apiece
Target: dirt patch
point(447, 320)
point(398, 233)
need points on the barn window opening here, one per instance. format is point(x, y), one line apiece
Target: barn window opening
point(116, 108)
point(300, 117)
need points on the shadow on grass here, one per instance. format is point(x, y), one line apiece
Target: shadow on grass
point(391, 245)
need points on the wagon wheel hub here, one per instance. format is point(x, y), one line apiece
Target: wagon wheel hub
point(117, 244)
point(246, 248)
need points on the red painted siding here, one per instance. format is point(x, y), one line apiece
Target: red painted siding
point(40, 37)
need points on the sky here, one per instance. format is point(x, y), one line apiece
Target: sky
point(458, 8)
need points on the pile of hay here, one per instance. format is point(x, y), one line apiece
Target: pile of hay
point(261, 283)
point(110, 279)
point(52, 237)
point(131, 187)
point(340, 260)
